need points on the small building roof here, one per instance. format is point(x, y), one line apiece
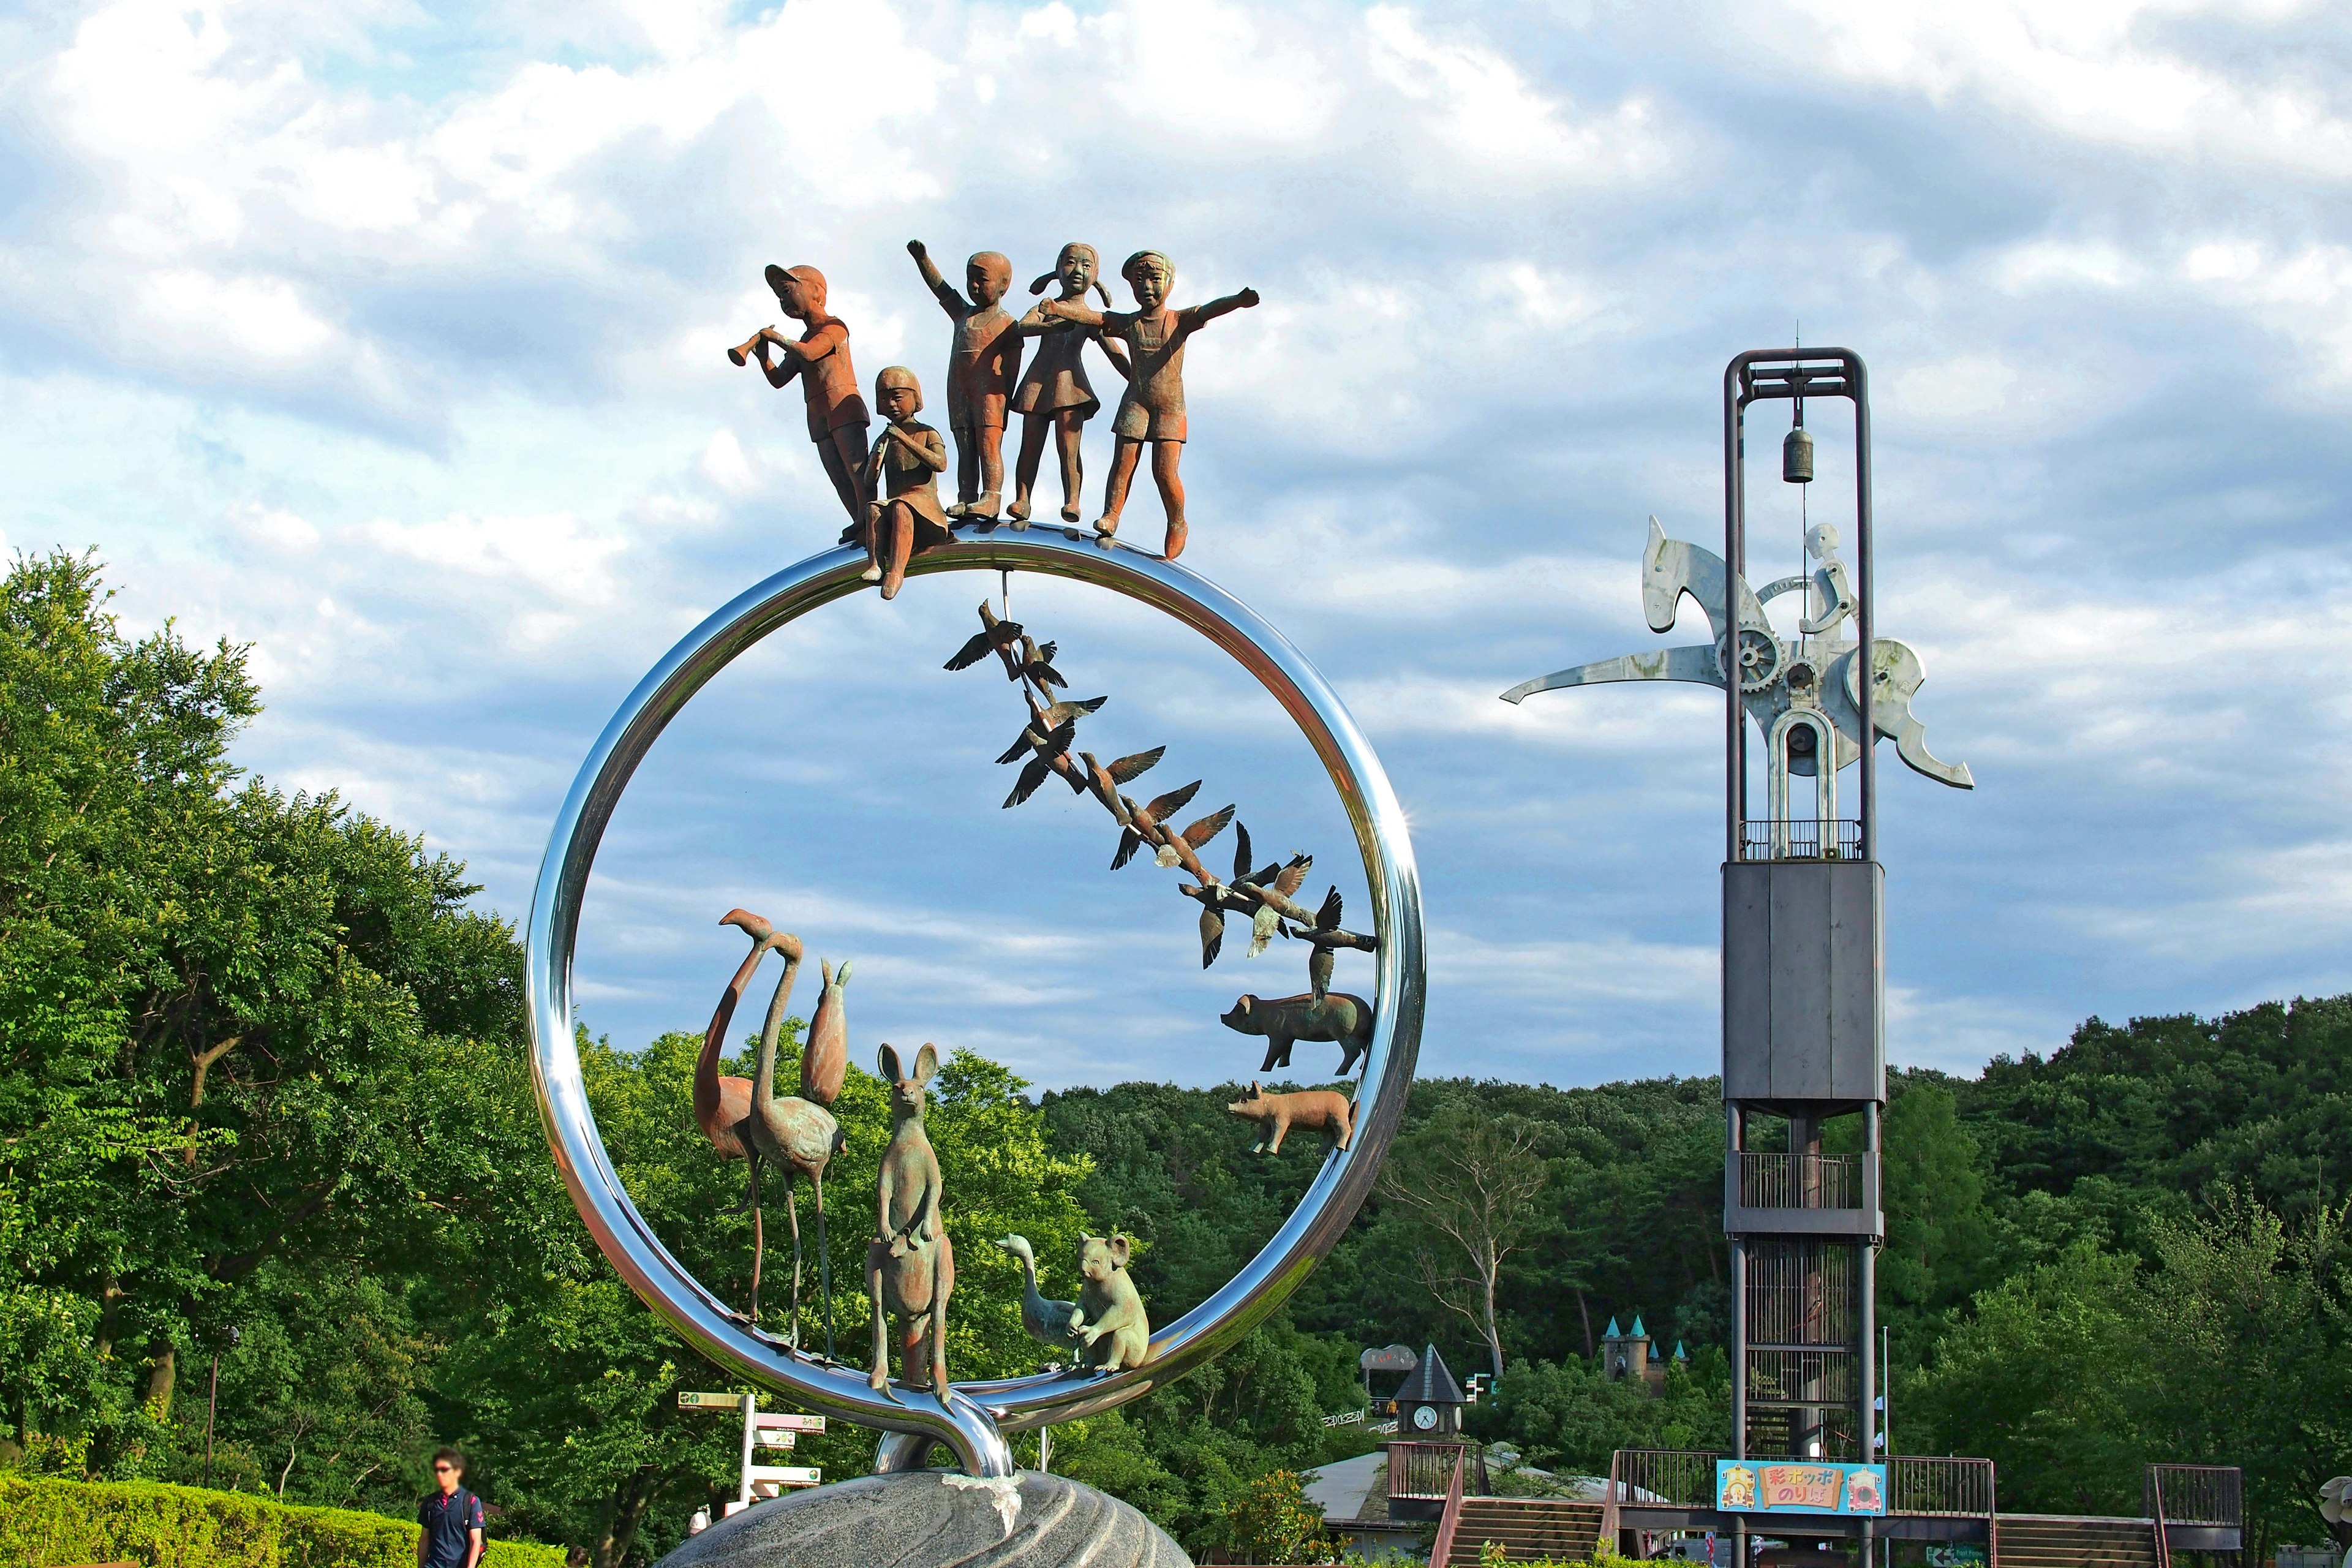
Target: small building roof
point(1431, 1383)
point(1611, 1331)
point(1639, 1332)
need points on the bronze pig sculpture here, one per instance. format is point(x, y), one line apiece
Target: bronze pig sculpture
point(1318, 1110)
point(1109, 1308)
point(1286, 1020)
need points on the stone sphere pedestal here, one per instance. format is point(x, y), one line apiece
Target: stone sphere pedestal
point(930, 1519)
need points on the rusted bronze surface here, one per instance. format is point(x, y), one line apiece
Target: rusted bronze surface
point(1320, 1110)
point(837, 418)
point(1054, 392)
point(899, 482)
point(824, 1059)
point(1151, 413)
point(983, 371)
point(910, 1264)
point(1111, 1319)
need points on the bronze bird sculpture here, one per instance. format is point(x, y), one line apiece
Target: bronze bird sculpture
point(1217, 900)
point(1104, 781)
point(797, 1135)
point(1045, 1319)
point(1324, 937)
point(1037, 665)
point(994, 635)
point(1183, 849)
point(1274, 904)
point(1143, 824)
point(1052, 755)
point(721, 1103)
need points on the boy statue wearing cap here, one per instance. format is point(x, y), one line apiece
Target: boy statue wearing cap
point(1152, 411)
point(837, 420)
point(907, 459)
point(983, 371)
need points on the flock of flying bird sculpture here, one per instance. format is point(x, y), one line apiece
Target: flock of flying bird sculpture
point(1046, 747)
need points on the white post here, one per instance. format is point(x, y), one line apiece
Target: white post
point(750, 1431)
point(1044, 1451)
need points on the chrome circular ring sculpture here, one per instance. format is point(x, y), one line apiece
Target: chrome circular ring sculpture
point(973, 1416)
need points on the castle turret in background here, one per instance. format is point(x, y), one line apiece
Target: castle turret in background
point(1633, 1357)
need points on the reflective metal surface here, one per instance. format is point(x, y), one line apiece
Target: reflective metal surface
point(973, 1420)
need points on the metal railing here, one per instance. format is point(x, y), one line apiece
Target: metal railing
point(1929, 1484)
point(1663, 1477)
point(1800, 1181)
point(1424, 1471)
point(1449, 1519)
point(2195, 1494)
point(1800, 1376)
point(1798, 838)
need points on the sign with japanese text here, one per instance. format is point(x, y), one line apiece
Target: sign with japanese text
point(1799, 1486)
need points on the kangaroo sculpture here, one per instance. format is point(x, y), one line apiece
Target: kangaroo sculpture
point(910, 1265)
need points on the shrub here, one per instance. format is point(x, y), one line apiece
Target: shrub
point(45, 1522)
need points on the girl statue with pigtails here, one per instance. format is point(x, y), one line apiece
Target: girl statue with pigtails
point(1152, 411)
point(1055, 394)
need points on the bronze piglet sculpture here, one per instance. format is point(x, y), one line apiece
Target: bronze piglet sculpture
point(1317, 1109)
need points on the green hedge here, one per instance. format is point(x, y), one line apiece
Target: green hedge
point(47, 1523)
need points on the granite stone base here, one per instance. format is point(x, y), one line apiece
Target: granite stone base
point(931, 1519)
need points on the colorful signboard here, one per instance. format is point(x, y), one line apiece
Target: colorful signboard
point(1799, 1486)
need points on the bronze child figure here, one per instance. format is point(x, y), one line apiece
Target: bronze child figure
point(836, 413)
point(1054, 392)
point(910, 1265)
point(982, 373)
point(899, 488)
point(1152, 411)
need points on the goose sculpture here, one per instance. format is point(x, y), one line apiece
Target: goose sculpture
point(1052, 1323)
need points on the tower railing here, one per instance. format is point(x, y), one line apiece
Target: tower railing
point(1777, 1181)
point(1800, 838)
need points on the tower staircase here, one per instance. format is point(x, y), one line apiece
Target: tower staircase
point(1529, 1529)
point(2070, 1541)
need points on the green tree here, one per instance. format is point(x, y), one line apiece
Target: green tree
point(1272, 1521)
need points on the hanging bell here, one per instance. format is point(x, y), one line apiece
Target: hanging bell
point(1797, 455)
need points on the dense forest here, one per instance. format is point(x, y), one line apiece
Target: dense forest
point(264, 1108)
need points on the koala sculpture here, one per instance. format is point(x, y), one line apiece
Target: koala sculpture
point(1110, 1312)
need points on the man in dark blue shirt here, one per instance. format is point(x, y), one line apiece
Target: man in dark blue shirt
point(451, 1517)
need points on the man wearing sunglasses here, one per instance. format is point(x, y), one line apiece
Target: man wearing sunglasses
point(452, 1517)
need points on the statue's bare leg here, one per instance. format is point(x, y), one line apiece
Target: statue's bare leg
point(1024, 466)
point(1122, 475)
point(1069, 424)
point(793, 1213)
point(824, 1264)
point(967, 445)
point(1165, 456)
point(843, 452)
point(899, 525)
point(991, 472)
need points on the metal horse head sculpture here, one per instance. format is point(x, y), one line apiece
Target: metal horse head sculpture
point(1817, 670)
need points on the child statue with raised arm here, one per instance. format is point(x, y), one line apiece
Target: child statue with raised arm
point(1152, 411)
point(837, 418)
point(983, 371)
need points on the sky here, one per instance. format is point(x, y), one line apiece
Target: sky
point(387, 339)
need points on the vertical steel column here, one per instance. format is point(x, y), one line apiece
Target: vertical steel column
point(1735, 557)
point(1857, 388)
point(1740, 1347)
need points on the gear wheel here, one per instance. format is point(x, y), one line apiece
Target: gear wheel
point(1761, 659)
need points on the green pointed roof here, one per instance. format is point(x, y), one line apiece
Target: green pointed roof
point(1610, 1334)
point(1639, 1332)
point(1678, 1351)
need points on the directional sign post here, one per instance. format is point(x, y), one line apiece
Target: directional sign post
point(763, 1429)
